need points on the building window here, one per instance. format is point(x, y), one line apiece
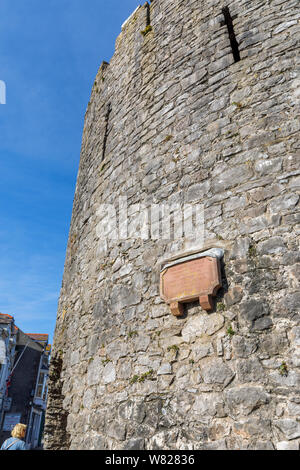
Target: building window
point(41, 389)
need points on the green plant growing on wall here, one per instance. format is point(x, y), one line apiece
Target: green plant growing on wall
point(146, 30)
point(141, 378)
point(174, 348)
point(252, 251)
point(230, 331)
point(221, 307)
point(237, 104)
point(134, 379)
point(156, 333)
point(133, 333)
point(145, 376)
point(106, 361)
point(283, 369)
point(103, 166)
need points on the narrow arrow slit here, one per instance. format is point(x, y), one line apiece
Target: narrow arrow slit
point(106, 130)
point(233, 42)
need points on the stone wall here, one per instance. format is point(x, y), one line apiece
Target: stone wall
point(175, 119)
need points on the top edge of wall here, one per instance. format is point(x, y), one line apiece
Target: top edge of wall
point(130, 17)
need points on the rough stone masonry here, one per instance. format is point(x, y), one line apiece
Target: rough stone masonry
point(199, 105)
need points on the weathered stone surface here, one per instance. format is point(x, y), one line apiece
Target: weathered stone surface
point(109, 373)
point(134, 444)
point(231, 177)
point(122, 297)
point(203, 324)
point(253, 309)
point(273, 344)
point(75, 357)
point(294, 409)
point(94, 372)
point(240, 248)
point(141, 342)
point(88, 398)
point(197, 192)
point(116, 431)
point(244, 347)
point(215, 371)
point(100, 309)
point(289, 427)
point(131, 410)
point(290, 305)
point(288, 201)
point(207, 405)
point(220, 444)
point(295, 334)
point(250, 370)
point(287, 445)
point(274, 245)
point(291, 379)
point(165, 368)
point(98, 443)
point(253, 427)
point(233, 296)
point(261, 445)
point(254, 313)
point(243, 400)
point(265, 167)
point(261, 324)
point(200, 350)
point(117, 349)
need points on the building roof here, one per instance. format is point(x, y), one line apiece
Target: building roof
point(38, 336)
point(5, 318)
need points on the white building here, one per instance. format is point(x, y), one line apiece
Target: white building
point(24, 366)
point(7, 355)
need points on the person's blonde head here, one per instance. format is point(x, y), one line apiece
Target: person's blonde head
point(19, 431)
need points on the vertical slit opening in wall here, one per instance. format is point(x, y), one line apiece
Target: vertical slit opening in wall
point(233, 42)
point(106, 130)
point(148, 14)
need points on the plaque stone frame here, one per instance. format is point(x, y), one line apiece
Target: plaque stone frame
point(191, 278)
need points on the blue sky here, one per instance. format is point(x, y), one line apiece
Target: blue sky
point(49, 56)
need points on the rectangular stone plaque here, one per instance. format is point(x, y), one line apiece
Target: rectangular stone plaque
point(190, 280)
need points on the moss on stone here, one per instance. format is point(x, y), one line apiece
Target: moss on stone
point(252, 251)
point(283, 369)
point(146, 30)
point(221, 307)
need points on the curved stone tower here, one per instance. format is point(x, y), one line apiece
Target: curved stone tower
point(197, 114)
